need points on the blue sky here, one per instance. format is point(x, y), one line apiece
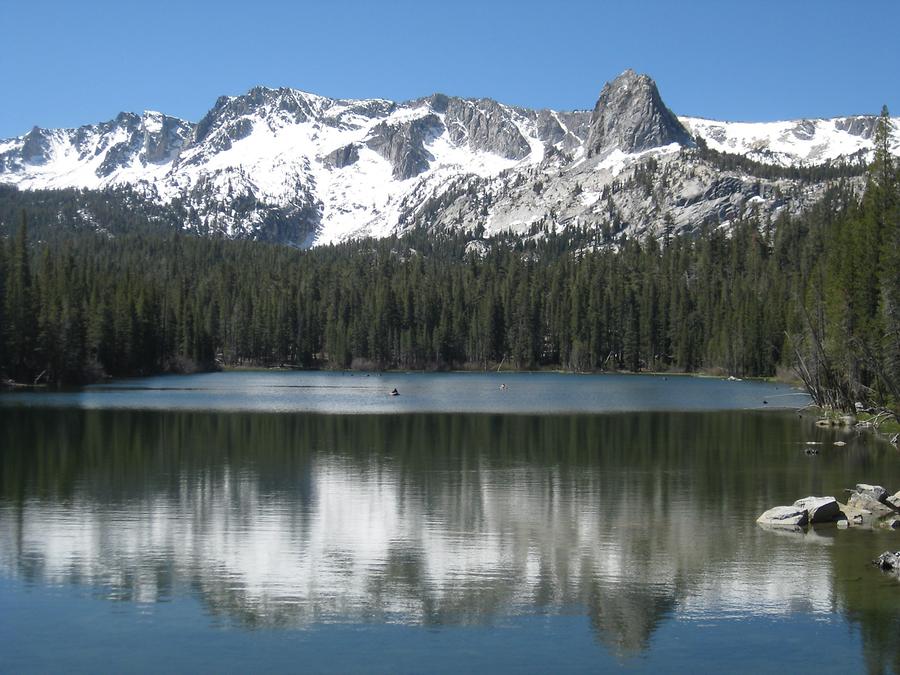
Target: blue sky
point(70, 63)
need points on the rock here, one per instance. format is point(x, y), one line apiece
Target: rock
point(877, 492)
point(486, 126)
point(823, 423)
point(630, 116)
point(36, 147)
point(894, 500)
point(888, 561)
point(343, 156)
point(843, 524)
point(403, 143)
point(893, 524)
point(865, 501)
point(784, 516)
point(819, 509)
point(840, 444)
point(860, 125)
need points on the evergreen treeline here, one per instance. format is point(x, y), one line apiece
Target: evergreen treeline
point(821, 291)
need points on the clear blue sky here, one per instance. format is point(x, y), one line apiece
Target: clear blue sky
point(70, 63)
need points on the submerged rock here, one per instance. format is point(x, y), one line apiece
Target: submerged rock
point(819, 509)
point(888, 561)
point(784, 516)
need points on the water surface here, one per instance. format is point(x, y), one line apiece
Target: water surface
point(354, 393)
point(146, 537)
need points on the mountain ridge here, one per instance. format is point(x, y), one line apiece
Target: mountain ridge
point(292, 166)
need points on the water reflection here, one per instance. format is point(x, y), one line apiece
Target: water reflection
point(292, 520)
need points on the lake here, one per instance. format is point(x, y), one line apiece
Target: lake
point(284, 521)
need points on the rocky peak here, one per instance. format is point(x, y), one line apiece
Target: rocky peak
point(163, 137)
point(36, 145)
point(232, 114)
point(630, 116)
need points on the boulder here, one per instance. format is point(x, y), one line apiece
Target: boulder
point(888, 561)
point(875, 491)
point(819, 509)
point(894, 500)
point(866, 502)
point(784, 516)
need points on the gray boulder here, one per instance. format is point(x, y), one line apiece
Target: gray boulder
point(820, 509)
point(876, 492)
point(784, 516)
point(894, 500)
point(865, 501)
point(888, 561)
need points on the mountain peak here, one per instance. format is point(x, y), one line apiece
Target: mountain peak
point(630, 116)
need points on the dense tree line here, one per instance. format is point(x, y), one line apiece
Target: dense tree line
point(819, 290)
point(849, 348)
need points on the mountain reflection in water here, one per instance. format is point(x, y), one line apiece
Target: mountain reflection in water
point(294, 520)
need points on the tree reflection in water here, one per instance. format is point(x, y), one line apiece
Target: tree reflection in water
point(289, 520)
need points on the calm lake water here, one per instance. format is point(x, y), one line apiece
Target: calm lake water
point(223, 523)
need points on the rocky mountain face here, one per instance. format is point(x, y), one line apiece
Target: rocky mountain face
point(293, 167)
point(631, 117)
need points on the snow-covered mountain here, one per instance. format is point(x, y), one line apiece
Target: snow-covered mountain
point(286, 165)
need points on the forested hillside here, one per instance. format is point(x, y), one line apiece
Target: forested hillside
point(819, 292)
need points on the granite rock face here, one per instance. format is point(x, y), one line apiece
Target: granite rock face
point(34, 149)
point(860, 125)
point(343, 156)
point(403, 144)
point(484, 125)
point(631, 117)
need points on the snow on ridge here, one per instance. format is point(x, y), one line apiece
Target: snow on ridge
point(805, 141)
point(269, 154)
